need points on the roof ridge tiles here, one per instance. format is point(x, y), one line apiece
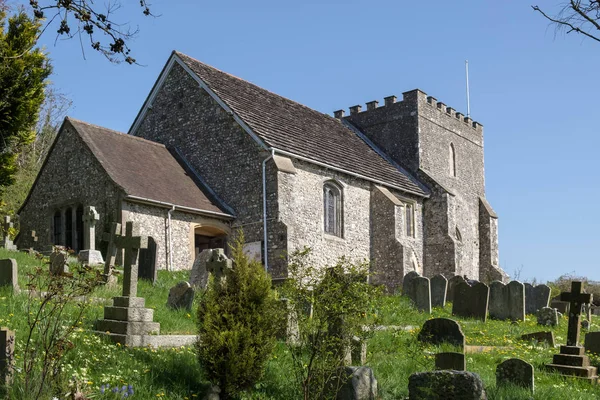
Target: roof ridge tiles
point(113, 131)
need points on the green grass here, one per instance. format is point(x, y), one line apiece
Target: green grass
point(393, 355)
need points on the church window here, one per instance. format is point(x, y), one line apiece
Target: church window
point(79, 227)
point(452, 160)
point(332, 208)
point(458, 235)
point(57, 223)
point(69, 228)
point(409, 219)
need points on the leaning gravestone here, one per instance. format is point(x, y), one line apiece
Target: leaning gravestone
point(547, 316)
point(8, 273)
point(7, 356)
point(439, 286)
point(540, 337)
point(471, 301)
point(516, 372)
point(443, 385)
point(442, 330)
point(199, 274)
point(536, 297)
point(422, 293)
point(181, 296)
point(451, 360)
point(452, 282)
point(360, 384)
point(507, 302)
point(408, 287)
point(147, 261)
point(592, 342)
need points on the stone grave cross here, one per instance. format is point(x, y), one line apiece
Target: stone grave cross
point(90, 217)
point(132, 245)
point(219, 265)
point(6, 226)
point(577, 299)
point(111, 252)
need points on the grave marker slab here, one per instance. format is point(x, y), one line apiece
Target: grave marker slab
point(422, 292)
point(592, 342)
point(199, 273)
point(450, 360)
point(359, 384)
point(7, 355)
point(147, 261)
point(507, 302)
point(452, 282)
point(516, 372)
point(439, 287)
point(8, 273)
point(547, 316)
point(59, 262)
point(442, 330)
point(540, 337)
point(441, 385)
point(181, 296)
point(536, 297)
point(471, 301)
point(408, 288)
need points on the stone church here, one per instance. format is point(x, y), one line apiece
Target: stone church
point(400, 184)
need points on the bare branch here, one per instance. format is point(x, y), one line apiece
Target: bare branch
point(577, 17)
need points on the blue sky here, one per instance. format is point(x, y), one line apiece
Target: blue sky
point(535, 92)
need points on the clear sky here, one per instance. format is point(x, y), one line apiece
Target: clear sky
point(536, 93)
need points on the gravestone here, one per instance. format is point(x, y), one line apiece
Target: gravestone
point(536, 297)
point(572, 360)
point(8, 273)
point(148, 259)
point(516, 372)
point(7, 243)
point(111, 252)
point(471, 301)
point(289, 331)
point(445, 384)
point(442, 330)
point(181, 296)
point(563, 307)
point(539, 337)
point(219, 265)
point(592, 342)
point(408, 288)
point(439, 286)
point(358, 351)
point(359, 384)
point(89, 255)
point(451, 360)
point(422, 292)
point(199, 273)
point(507, 302)
point(127, 320)
point(59, 261)
point(452, 282)
point(547, 316)
point(7, 356)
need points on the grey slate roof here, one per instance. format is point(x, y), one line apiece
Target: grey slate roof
point(286, 125)
point(143, 168)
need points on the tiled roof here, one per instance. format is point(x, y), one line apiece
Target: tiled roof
point(286, 125)
point(143, 168)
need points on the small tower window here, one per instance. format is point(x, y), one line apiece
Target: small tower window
point(452, 164)
point(332, 209)
point(409, 218)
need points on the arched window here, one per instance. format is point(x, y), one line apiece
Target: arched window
point(452, 160)
point(69, 228)
point(57, 223)
point(332, 209)
point(79, 227)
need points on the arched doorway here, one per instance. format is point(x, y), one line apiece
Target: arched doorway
point(209, 237)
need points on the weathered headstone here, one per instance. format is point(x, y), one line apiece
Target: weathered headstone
point(199, 273)
point(148, 259)
point(7, 356)
point(181, 296)
point(408, 288)
point(357, 353)
point(562, 306)
point(516, 372)
point(451, 360)
point(59, 261)
point(359, 384)
point(442, 385)
point(219, 265)
point(540, 337)
point(547, 316)
point(452, 282)
point(592, 342)
point(507, 302)
point(422, 292)
point(572, 360)
point(471, 301)
point(442, 330)
point(7, 243)
point(536, 297)
point(8, 273)
point(111, 251)
point(89, 255)
point(439, 287)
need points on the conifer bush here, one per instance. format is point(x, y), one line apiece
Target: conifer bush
point(238, 318)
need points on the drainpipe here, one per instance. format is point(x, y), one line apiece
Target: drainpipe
point(264, 184)
point(170, 264)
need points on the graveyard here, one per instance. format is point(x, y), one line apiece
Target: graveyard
point(396, 349)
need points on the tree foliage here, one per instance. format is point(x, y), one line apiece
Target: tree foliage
point(580, 16)
point(23, 75)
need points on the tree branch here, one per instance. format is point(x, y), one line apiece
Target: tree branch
point(566, 22)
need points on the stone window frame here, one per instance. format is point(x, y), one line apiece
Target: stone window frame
point(58, 233)
point(410, 209)
point(458, 234)
point(337, 227)
point(452, 160)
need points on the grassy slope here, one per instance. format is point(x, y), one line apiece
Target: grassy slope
point(174, 373)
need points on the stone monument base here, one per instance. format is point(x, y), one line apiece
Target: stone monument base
point(128, 321)
point(91, 257)
point(572, 361)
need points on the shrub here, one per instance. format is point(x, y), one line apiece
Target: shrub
point(237, 324)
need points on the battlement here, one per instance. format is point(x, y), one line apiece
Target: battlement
point(411, 99)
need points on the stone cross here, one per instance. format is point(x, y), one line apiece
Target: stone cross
point(576, 298)
point(6, 226)
point(90, 217)
point(111, 252)
point(132, 245)
point(219, 265)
